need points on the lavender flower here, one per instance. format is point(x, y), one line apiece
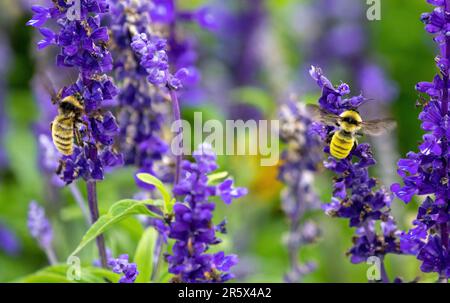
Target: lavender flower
point(41, 229)
point(155, 61)
point(83, 45)
point(9, 242)
point(300, 161)
point(426, 172)
point(192, 227)
point(152, 51)
point(142, 70)
point(142, 109)
point(355, 194)
point(121, 265)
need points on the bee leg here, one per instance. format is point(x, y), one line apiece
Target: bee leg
point(329, 137)
point(60, 167)
point(78, 139)
point(355, 145)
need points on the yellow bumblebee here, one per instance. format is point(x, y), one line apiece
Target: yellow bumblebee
point(350, 125)
point(65, 125)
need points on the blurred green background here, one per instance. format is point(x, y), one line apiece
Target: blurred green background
point(256, 223)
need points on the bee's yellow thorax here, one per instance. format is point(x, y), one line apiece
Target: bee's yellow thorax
point(74, 101)
point(350, 121)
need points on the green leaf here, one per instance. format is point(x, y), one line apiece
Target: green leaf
point(144, 255)
point(58, 274)
point(217, 176)
point(152, 180)
point(254, 96)
point(119, 211)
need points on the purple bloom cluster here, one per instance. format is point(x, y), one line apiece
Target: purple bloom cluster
point(39, 226)
point(427, 171)
point(121, 265)
point(8, 241)
point(154, 59)
point(154, 50)
point(146, 35)
point(182, 45)
point(83, 44)
point(355, 194)
point(192, 227)
point(142, 109)
point(300, 160)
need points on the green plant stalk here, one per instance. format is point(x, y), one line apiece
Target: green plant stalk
point(93, 207)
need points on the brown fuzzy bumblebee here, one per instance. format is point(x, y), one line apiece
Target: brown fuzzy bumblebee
point(350, 124)
point(65, 126)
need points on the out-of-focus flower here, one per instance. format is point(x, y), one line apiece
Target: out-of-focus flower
point(39, 226)
point(9, 243)
point(301, 160)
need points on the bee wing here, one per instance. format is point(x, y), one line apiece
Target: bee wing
point(48, 85)
point(378, 127)
point(321, 115)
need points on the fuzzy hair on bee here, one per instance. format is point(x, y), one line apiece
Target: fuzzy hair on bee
point(64, 127)
point(349, 125)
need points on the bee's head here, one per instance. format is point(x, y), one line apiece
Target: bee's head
point(71, 104)
point(350, 121)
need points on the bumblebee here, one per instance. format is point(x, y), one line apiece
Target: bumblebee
point(64, 127)
point(350, 125)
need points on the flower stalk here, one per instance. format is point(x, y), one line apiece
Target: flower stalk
point(93, 207)
point(78, 197)
point(177, 118)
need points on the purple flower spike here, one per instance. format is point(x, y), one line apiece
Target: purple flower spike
point(82, 44)
point(39, 226)
point(192, 228)
point(426, 172)
point(300, 162)
point(356, 196)
point(9, 243)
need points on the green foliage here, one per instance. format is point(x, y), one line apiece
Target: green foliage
point(61, 274)
point(168, 200)
point(144, 255)
point(118, 212)
point(213, 178)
